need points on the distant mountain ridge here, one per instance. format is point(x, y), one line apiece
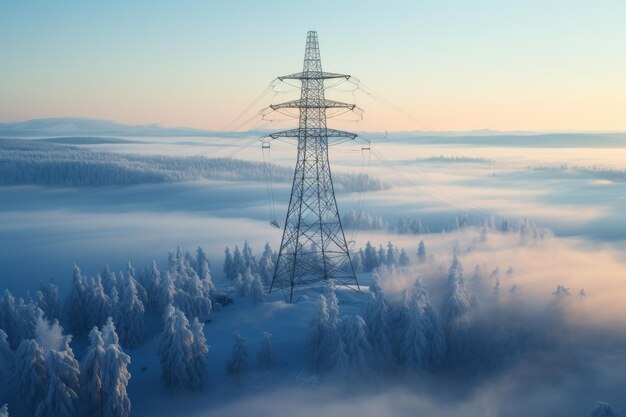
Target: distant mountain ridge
point(62, 129)
point(76, 126)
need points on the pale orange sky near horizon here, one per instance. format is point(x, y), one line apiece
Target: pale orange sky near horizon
point(453, 66)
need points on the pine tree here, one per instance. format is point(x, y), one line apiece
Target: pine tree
point(257, 292)
point(199, 351)
point(381, 255)
point(357, 261)
point(48, 300)
point(266, 357)
point(371, 261)
point(130, 314)
point(239, 265)
point(167, 291)
point(30, 377)
point(152, 283)
point(357, 346)
point(266, 265)
point(398, 325)
point(200, 259)
point(249, 259)
point(100, 306)
point(91, 368)
point(176, 352)
point(7, 363)
point(109, 282)
point(57, 402)
point(244, 282)
point(421, 252)
point(458, 306)
point(64, 374)
point(326, 350)
point(204, 274)
point(424, 344)
point(376, 318)
point(403, 260)
point(4, 411)
point(391, 258)
point(77, 303)
point(229, 267)
point(115, 376)
point(238, 363)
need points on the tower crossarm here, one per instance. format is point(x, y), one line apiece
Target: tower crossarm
point(329, 133)
point(312, 104)
point(313, 75)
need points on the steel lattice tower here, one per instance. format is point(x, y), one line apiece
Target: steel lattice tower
point(313, 246)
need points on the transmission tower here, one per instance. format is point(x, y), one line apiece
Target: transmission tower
point(313, 246)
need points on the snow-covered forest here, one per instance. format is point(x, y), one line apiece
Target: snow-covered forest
point(457, 307)
point(424, 316)
point(47, 163)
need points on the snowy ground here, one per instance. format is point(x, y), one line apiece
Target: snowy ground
point(578, 192)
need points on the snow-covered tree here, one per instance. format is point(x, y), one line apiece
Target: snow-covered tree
point(115, 376)
point(376, 318)
point(109, 282)
point(91, 368)
point(130, 314)
point(381, 255)
point(48, 300)
point(371, 260)
point(77, 303)
point(391, 257)
point(100, 305)
point(204, 273)
point(421, 252)
point(266, 265)
point(603, 410)
point(459, 303)
point(167, 291)
point(4, 411)
point(199, 351)
point(152, 282)
point(63, 370)
point(176, 352)
point(229, 266)
point(424, 345)
point(357, 345)
point(398, 323)
point(30, 377)
point(7, 362)
point(239, 265)
point(257, 292)
point(266, 357)
point(243, 282)
point(249, 259)
point(238, 363)
point(326, 349)
point(57, 402)
point(357, 261)
point(403, 260)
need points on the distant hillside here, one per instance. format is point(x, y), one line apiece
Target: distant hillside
point(44, 163)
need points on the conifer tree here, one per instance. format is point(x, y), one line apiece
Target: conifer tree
point(357, 345)
point(91, 368)
point(30, 377)
point(266, 357)
point(77, 303)
point(238, 363)
point(130, 314)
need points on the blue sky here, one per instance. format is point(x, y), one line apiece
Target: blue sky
point(456, 65)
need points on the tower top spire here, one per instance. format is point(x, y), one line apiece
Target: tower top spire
point(312, 59)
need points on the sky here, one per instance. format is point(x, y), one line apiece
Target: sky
point(451, 65)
